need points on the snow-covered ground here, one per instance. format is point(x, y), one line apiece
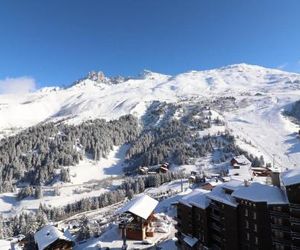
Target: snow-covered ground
point(271, 134)
point(89, 170)
point(84, 177)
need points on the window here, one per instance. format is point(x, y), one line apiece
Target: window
point(279, 247)
point(256, 240)
point(255, 228)
point(277, 221)
point(278, 234)
point(246, 212)
point(247, 236)
point(254, 215)
point(247, 224)
point(279, 209)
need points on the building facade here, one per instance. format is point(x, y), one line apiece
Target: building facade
point(240, 215)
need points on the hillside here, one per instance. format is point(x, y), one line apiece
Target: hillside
point(100, 97)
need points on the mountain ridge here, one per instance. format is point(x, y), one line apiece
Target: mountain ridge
point(97, 96)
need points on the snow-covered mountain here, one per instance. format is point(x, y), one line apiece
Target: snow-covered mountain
point(97, 96)
point(261, 94)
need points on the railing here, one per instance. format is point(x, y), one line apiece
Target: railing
point(279, 214)
point(284, 228)
point(294, 205)
point(215, 227)
point(215, 217)
point(216, 238)
point(282, 241)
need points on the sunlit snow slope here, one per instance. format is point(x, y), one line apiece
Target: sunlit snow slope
point(261, 95)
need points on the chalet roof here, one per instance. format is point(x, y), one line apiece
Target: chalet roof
point(258, 192)
point(242, 159)
point(232, 184)
point(196, 198)
point(49, 234)
point(290, 177)
point(218, 194)
point(142, 206)
point(215, 182)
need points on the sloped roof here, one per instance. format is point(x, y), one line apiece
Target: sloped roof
point(218, 194)
point(290, 177)
point(241, 159)
point(141, 206)
point(49, 234)
point(258, 192)
point(196, 198)
point(233, 184)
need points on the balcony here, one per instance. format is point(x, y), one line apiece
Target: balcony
point(295, 226)
point(295, 235)
point(215, 217)
point(216, 247)
point(295, 241)
point(294, 220)
point(214, 206)
point(282, 241)
point(215, 227)
point(279, 214)
point(281, 227)
point(293, 205)
point(216, 238)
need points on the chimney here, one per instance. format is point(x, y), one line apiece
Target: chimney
point(275, 178)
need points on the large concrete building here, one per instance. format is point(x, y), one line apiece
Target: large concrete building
point(242, 215)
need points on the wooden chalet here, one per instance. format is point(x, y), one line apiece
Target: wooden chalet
point(141, 211)
point(164, 168)
point(240, 160)
point(51, 238)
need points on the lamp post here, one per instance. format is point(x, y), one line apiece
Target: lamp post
point(125, 220)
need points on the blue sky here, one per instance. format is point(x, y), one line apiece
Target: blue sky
point(55, 42)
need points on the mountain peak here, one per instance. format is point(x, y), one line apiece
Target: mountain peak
point(97, 76)
point(150, 75)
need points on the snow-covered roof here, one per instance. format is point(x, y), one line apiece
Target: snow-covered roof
point(290, 177)
point(214, 183)
point(4, 244)
point(233, 184)
point(241, 159)
point(49, 234)
point(218, 194)
point(142, 206)
point(242, 173)
point(191, 241)
point(196, 198)
point(258, 192)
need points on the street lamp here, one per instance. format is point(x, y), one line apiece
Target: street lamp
point(125, 220)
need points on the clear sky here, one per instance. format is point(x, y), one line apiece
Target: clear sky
point(58, 41)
